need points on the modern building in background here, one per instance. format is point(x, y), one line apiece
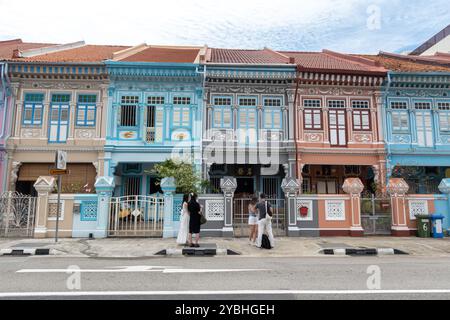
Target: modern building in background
point(439, 43)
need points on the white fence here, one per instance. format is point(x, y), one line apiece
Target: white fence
point(136, 216)
point(17, 215)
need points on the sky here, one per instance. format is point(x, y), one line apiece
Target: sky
point(354, 26)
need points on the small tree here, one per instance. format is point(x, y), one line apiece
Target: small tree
point(186, 178)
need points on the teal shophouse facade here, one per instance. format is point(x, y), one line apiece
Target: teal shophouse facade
point(155, 110)
point(417, 133)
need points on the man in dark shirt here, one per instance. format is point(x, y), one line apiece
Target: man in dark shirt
point(265, 221)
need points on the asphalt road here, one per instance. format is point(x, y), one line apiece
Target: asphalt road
point(230, 278)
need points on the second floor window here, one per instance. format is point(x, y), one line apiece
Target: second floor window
point(272, 118)
point(59, 118)
point(128, 111)
point(444, 116)
point(400, 122)
point(86, 110)
point(312, 114)
point(222, 113)
point(181, 117)
point(361, 115)
point(272, 113)
point(32, 113)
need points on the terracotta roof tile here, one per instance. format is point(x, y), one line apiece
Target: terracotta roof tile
point(405, 65)
point(175, 55)
point(7, 47)
point(87, 53)
point(437, 59)
point(237, 56)
point(332, 61)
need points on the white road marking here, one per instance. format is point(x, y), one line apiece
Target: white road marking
point(130, 269)
point(235, 292)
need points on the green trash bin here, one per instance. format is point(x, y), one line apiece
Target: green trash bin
point(423, 226)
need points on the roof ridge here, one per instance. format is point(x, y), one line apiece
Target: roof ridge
point(361, 60)
point(288, 59)
point(128, 52)
point(47, 50)
point(12, 41)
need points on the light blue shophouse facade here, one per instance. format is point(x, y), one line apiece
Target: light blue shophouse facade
point(155, 111)
point(417, 132)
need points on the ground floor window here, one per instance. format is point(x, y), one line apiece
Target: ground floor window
point(251, 180)
point(328, 179)
point(422, 180)
point(81, 177)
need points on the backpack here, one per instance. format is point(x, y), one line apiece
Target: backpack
point(265, 243)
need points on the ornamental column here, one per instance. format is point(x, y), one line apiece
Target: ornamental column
point(168, 186)
point(397, 189)
point(44, 187)
point(291, 188)
point(104, 186)
point(354, 187)
point(228, 186)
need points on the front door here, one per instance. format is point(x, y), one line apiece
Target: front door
point(338, 128)
point(245, 186)
point(424, 129)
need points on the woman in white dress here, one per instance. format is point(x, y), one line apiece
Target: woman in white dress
point(184, 222)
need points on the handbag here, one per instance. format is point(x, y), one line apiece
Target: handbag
point(203, 219)
point(268, 215)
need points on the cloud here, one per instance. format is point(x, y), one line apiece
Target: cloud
point(283, 24)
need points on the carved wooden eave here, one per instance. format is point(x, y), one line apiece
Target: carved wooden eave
point(58, 71)
point(154, 72)
point(429, 81)
point(341, 79)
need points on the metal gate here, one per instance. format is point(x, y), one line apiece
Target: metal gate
point(17, 215)
point(376, 216)
point(136, 216)
point(241, 215)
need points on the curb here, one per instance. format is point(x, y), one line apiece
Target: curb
point(189, 252)
point(363, 252)
point(25, 252)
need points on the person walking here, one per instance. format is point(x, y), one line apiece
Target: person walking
point(253, 220)
point(195, 221)
point(265, 221)
point(184, 222)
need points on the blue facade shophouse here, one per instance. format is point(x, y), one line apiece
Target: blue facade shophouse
point(155, 104)
point(417, 119)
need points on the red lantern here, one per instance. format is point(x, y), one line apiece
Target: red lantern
point(304, 212)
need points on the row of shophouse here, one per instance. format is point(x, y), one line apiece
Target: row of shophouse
point(361, 142)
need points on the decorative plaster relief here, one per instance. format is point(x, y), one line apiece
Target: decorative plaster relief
point(405, 139)
point(362, 137)
point(84, 133)
point(30, 133)
point(314, 137)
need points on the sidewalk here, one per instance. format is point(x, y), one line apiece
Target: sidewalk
point(285, 247)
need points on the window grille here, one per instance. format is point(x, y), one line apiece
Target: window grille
point(336, 104)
